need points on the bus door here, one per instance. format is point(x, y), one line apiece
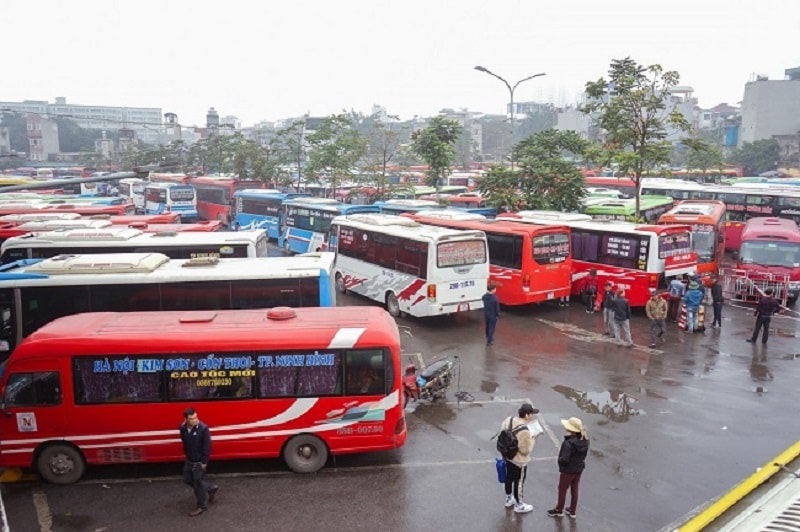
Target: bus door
point(32, 400)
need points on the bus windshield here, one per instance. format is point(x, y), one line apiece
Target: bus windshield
point(704, 243)
point(783, 254)
point(551, 248)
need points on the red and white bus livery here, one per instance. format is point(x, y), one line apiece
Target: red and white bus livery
point(106, 388)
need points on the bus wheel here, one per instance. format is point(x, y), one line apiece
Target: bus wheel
point(305, 454)
point(286, 247)
point(392, 306)
point(340, 284)
point(60, 464)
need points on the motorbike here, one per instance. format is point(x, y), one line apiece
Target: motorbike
point(431, 384)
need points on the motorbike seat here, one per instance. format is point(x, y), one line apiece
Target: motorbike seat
point(435, 368)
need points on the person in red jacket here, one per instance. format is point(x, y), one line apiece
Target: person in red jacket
point(589, 290)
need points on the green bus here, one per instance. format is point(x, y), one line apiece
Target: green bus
point(650, 208)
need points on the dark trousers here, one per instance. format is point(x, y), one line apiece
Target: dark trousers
point(717, 305)
point(194, 476)
point(569, 481)
point(590, 301)
point(490, 326)
point(515, 476)
point(761, 321)
point(673, 307)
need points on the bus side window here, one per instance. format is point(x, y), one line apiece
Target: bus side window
point(33, 389)
point(366, 373)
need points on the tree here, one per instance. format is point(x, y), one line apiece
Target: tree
point(757, 157)
point(546, 178)
point(383, 144)
point(74, 138)
point(706, 158)
point(631, 109)
point(435, 145)
point(290, 147)
point(335, 149)
point(17, 131)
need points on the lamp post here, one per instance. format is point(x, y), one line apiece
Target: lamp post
point(511, 89)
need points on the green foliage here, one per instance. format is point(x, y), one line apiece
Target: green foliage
point(757, 157)
point(546, 179)
point(383, 145)
point(17, 131)
point(707, 158)
point(289, 148)
point(435, 145)
point(73, 138)
point(631, 109)
point(335, 149)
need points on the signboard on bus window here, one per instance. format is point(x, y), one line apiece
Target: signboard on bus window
point(460, 253)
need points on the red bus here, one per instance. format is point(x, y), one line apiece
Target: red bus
point(203, 226)
point(83, 209)
point(631, 256)
point(106, 388)
point(769, 256)
point(125, 219)
point(707, 220)
point(215, 196)
point(527, 263)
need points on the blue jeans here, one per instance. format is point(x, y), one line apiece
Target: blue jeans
point(194, 476)
point(490, 326)
point(691, 319)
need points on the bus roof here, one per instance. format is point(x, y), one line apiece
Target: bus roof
point(625, 206)
point(279, 327)
point(403, 226)
point(35, 217)
point(554, 216)
point(617, 226)
point(771, 229)
point(696, 208)
point(129, 235)
point(163, 184)
point(329, 205)
point(265, 192)
point(481, 223)
point(155, 268)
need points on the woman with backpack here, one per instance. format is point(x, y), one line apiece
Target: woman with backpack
point(516, 466)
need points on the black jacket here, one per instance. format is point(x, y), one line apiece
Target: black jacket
point(491, 306)
point(767, 306)
point(622, 308)
point(196, 442)
point(716, 293)
point(572, 456)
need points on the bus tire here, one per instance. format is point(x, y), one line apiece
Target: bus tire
point(340, 284)
point(305, 454)
point(286, 247)
point(60, 464)
point(392, 305)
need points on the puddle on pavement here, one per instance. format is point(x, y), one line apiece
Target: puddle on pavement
point(615, 405)
point(489, 386)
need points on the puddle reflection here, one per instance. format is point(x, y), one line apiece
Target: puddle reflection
point(616, 405)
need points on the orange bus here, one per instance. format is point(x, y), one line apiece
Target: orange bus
point(527, 263)
point(215, 196)
point(105, 388)
point(707, 220)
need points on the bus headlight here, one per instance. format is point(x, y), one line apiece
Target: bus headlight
point(794, 286)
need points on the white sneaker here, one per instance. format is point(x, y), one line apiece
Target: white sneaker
point(522, 508)
point(510, 501)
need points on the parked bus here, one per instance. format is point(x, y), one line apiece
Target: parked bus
point(632, 256)
point(127, 240)
point(215, 196)
point(527, 263)
point(81, 208)
point(412, 268)
point(770, 256)
point(707, 220)
point(171, 197)
point(33, 295)
point(650, 208)
point(104, 388)
point(168, 177)
point(133, 188)
point(308, 220)
point(260, 208)
point(402, 206)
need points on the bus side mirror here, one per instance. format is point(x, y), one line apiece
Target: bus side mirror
point(735, 255)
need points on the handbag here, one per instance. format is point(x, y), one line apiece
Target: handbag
point(500, 464)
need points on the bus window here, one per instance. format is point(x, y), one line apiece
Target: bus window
point(33, 389)
point(299, 374)
point(551, 248)
point(95, 381)
point(366, 374)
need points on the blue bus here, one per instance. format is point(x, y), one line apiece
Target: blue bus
point(306, 222)
point(259, 208)
point(160, 198)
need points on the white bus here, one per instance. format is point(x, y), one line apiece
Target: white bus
point(133, 188)
point(171, 197)
point(412, 268)
point(115, 239)
point(33, 295)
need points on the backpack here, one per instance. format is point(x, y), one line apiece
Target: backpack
point(507, 443)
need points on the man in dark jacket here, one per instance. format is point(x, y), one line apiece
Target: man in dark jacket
point(491, 312)
point(196, 439)
point(767, 306)
point(608, 309)
point(716, 301)
point(622, 319)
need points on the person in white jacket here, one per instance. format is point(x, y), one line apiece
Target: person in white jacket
point(517, 466)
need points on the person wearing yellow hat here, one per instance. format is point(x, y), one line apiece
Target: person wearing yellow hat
point(571, 463)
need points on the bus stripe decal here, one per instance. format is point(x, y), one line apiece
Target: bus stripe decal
point(346, 337)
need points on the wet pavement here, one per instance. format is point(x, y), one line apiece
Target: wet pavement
point(670, 429)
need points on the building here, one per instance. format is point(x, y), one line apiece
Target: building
point(42, 137)
point(144, 121)
point(771, 107)
point(5, 142)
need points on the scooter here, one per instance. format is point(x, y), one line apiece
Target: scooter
point(431, 384)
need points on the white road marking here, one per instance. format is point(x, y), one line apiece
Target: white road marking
point(583, 335)
point(43, 514)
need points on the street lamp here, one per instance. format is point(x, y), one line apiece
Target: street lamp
point(511, 89)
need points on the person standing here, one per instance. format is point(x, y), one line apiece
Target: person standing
point(622, 318)
point(571, 463)
point(767, 306)
point(491, 312)
point(676, 291)
point(692, 299)
point(656, 309)
point(608, 309)
point(716, 301)
point(589, 290)
point(517, 467)
point(196, 439)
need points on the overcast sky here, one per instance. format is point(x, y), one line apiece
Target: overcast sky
point(278, 59)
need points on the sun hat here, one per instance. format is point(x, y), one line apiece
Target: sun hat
point(573, 424)
point(693, 285)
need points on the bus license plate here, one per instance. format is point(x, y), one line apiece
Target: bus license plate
point(463, 307)
point(551, 295)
